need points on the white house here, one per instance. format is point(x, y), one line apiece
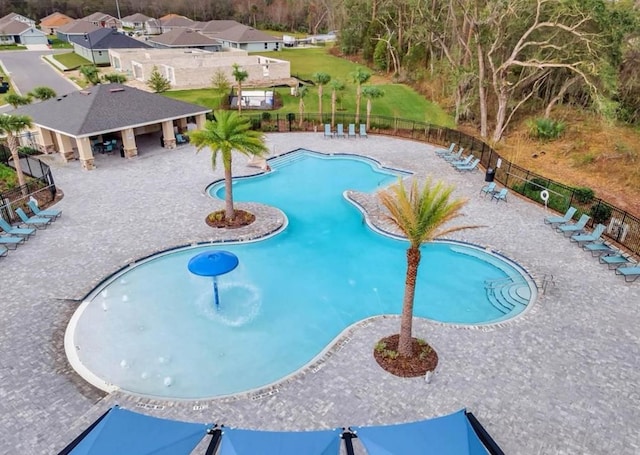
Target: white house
point(134, 21)
point(16, 32)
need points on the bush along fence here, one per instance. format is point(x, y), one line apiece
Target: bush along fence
point(621, 226)
point(40, 185)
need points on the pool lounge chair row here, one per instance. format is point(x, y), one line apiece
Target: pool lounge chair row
point(339, 132)
point(594, 243)
point(460, 164)
point(498, 195)
point(12, 236)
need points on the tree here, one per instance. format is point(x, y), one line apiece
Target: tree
point(336, 86)
point(16, 100)
point(12, 125)
point(422, 217)
point(43, 93)
point(228, 132)
point(321, 79)
point(370, 94)
point(115, 78)
point(221, 85)
point(91, 74)
point(240, 76)
point(302, 92)
point(359, 77)
point(157, 82)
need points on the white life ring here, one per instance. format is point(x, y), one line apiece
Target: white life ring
point(544, 195)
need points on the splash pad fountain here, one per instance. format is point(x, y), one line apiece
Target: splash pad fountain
point(213, 263)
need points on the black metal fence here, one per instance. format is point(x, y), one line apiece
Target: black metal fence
point(621, 226)
point(40, 186)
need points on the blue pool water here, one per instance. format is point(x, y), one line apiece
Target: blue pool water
point(152, 329)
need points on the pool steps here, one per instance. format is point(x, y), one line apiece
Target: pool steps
point(506, 294)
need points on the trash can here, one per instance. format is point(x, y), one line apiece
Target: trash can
point(490, 174)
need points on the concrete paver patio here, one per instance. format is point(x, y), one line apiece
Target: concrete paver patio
point(560, 379)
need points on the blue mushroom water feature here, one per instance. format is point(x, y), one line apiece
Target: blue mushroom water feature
point(213, 263)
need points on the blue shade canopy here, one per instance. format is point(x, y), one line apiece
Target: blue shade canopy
point(213, 263)
point(250, 442)
point(125, 432)
point(447, 435)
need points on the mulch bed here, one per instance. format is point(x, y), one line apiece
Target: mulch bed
point(424, 358)
point(241, 218)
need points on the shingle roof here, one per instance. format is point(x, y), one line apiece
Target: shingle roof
point(106, 38)
point(55, 19)
point(137, 17)
point(244, 34)
point(219, 26)
point(78, 26)
point(98, 17)
point(104, 108)
point(13, 27)
point(183, 38)
point(174, 20)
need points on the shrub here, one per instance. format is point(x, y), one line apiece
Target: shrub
point(266, 116)
point(546, 129)
point(115, 78)
point(600, 212)
point(583, 195)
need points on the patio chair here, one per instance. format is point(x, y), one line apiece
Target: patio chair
point(454, 156)
point(22, 232)
point(3, 251)
point(48, 213)
point(473, 166)
point(327, 130)
point(500, 196)
point(598, 248)
point(448, 151)
point(35, 221)
point(10, 241)
point(589, 238)
point(340, 130)
point(553, 220)
point(576, 228)
point(352, 130)
point(630, 274)
point(488, 189)
point(363, 130)
point(614, 261)
point(463, 162)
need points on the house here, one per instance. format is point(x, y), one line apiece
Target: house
point(194, 68)
point(112, 112)
point(134, 21)
point(173, 21)
point(184, 38)
point(53, 22)
point(75, 28)
point(18, 18)
point(95, 46)
point(18, 32)
point(152, 27)
point(102, 20)
point(238, 36)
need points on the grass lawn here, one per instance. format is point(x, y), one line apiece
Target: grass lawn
point(12, 47)
point(204, 97)
point(71, 60)
point(57, 43)
point(10, 92)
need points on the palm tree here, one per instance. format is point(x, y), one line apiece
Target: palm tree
point(16, 100)
point(421, 216)
point(321, 79)
point(336, 86)
point(229, 131)
point(371, 93)
point(43, 93)
point(359, 77)
point(302, 92)
point(11, 125)
point(240, 76)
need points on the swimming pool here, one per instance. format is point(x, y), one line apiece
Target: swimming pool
point(291, 295)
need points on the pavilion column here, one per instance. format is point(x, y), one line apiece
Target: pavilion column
point(86, 154)
point(66, 147)
point(45, 140)
point(129, 143)
point(168, 135)
point(182, 124)
point(200, 119)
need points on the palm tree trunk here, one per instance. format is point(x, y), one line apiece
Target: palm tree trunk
point(405, 341)
point(239, 97)
point(368, 114)
point(358, 97)
point(12, 142)
point(320, 101)
point(228, 190)
point(333, 108)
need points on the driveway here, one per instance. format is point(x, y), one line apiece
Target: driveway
point(27, 71)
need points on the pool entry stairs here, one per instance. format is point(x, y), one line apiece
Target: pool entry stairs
point(287, 158)
point(506, 294)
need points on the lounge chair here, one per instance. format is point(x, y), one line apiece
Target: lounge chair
point(448, 151)
point(340, 130)
point(3, 251)
point(500, 196)
point(454, 156)
point(630, 274)
point(488, 189)
point(11, 241)
point(48, 213)
point(363, 130)
point(327, 130)
point(589, 238)
point(22, 232)
point(614, 261)
point(352, 130)
point(464, 162)
point(598, 248)
point(35, 221)
point(576, 228)
point(468, 167)
point(553, 220)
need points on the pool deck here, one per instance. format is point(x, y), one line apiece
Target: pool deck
point(560, 379)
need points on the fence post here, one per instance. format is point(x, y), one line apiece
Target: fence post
point(506, 180)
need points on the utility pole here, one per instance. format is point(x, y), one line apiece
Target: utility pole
point(118, 9)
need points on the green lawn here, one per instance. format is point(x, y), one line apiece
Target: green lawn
point(10, 92)
point(204, 97)
point(71, 60)
point(57, 43)
point(12, 47)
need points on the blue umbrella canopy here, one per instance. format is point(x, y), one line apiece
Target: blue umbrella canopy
point(213, 263)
